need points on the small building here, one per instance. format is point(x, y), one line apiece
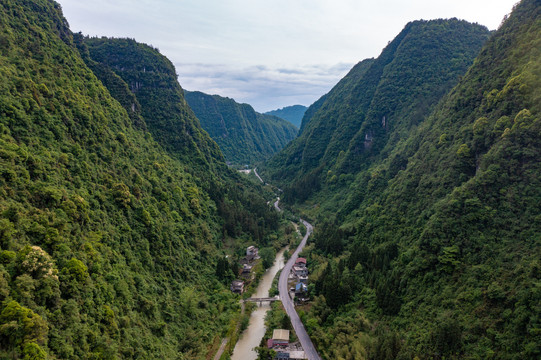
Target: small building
point(301, 290)
point(252, 253)
point(301, 262)
point(237, 286)
point(300, 271)
point(283, 354)
point(246, 271)
point(280, 337)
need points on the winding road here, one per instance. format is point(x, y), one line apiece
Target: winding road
point(298, 326)
point(306, 342)
point(259, 177)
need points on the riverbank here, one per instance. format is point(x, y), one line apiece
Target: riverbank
point(251, 337)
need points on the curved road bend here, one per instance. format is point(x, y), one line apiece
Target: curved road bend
point(304, 339)
point(259, 177)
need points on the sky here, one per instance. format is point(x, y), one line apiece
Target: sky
point(268, 53)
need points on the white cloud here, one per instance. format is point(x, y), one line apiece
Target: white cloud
point(239, 35)
point(263, 87)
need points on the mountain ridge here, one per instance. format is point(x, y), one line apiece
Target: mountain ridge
point(430, 250)
point(292, 113)
point(110, 229)
point(359, 117)
point(244, 135)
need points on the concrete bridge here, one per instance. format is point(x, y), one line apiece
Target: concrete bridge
point(262, 300)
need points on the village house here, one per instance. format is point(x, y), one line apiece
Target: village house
point(290, 355)
point(301, 262)
point(284, 350)
point(280, 337)
point(252, 253)
point(237, 286)
point(246, 271)
point(300, 271)
point(301, 290)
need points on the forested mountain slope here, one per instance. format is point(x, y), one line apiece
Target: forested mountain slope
point(293, 114)
point(109, 236)
point(244, 135)
point(378, 103)
point(439, 257)
point(152, 78)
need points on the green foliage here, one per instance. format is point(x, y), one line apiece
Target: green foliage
point(264, 353)
point(21, 329)
point(33, 351)
point(244, 136)
point(434, 229)
point(267, 255)
point(76, 269)
point(378, 104)
point(114, 204)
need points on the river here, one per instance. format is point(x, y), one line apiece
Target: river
point(251, 337)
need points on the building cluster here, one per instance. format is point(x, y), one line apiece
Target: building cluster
point(283, 348)
point(247, 262)
point(299, 278)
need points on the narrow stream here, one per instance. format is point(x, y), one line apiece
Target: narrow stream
point(251, 337)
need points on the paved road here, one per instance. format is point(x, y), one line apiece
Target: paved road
point(226, 339)
point(304, 339)
point(276, 204)
point(259, 177)
point(221, 349)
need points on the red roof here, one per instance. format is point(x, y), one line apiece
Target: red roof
point(300, 260)
point(270, 343)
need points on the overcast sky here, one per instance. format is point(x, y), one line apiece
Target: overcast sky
point(268, 53)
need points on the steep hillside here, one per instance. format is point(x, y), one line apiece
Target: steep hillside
point(435, 254)
point(244, 135)
point(293, 114)
point(285, 165)
point(108, 238)
point(152, 78)
point(378, 103)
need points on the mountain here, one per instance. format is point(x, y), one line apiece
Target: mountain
point(378, 103)
point(293, 114)
point(151, 78)
point(244, 135)
point(434, 251)
point(116, 208)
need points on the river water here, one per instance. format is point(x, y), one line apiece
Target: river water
point(251, 337)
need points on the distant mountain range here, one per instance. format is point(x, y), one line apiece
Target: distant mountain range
point(293, 114)
point(244, 135)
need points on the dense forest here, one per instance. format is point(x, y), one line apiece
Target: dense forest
point(119, 217)
point(379, 102)
point(427, 241)
point(245, 136)
point(293, 114)
point(115, 206)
